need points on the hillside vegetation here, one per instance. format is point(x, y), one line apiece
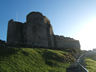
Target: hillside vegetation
point(90, 65)
point(90, 61)
point(34, 60)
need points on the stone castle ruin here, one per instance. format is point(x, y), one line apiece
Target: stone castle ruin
point(37, 32)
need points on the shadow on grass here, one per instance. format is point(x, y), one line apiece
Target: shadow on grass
point(52, 58)
point(7, 51)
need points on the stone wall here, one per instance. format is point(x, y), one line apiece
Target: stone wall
point(36, 37)
point(37, 32)
point(15, 32)
point(65, 42)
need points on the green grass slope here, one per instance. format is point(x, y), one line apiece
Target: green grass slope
point(90, 65)
point(90, 61)
point(34, 60)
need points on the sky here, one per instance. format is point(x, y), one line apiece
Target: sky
point(70, 18)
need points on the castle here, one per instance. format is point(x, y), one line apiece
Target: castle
point(37, 32)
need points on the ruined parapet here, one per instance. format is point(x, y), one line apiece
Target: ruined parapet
point(68, 44)
point(49, 26)
point(65, 42)
point(50, 33)
point(15, 33)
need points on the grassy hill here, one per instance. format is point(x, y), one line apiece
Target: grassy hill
point(34, 60)
point(90, 64)
point(90, 61)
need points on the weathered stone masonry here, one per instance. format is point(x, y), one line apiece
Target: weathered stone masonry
point(37, 32)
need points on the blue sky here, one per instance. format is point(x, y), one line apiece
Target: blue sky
point(68, 17)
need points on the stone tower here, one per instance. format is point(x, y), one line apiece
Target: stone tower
point(15, 33)
point(35, 32)
point(36, 29)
